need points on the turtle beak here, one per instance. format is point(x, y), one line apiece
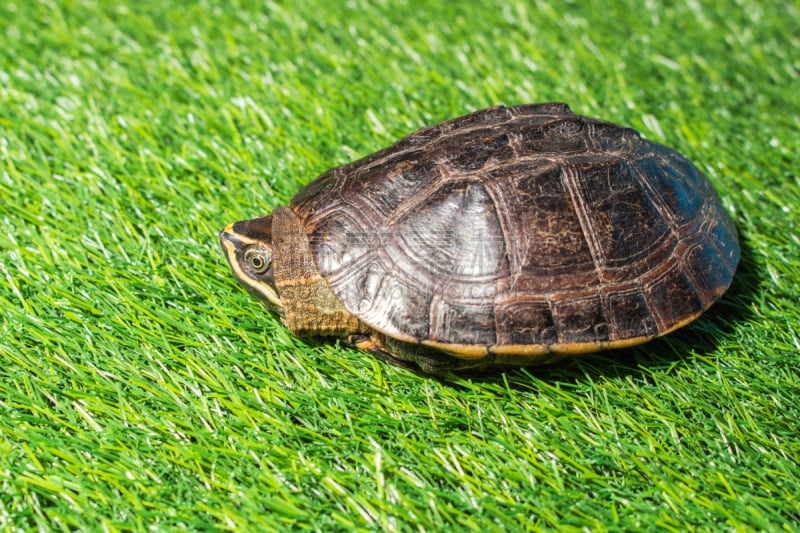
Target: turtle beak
point(231, 244)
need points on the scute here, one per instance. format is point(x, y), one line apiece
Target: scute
point(467, 152)
point(620, 218)
point(679, 197)
point(629, 313)
point(339, 240)
point(409, 176)
point(454, 235)
point(548, 248)
point(675, 297)
point(522, 230)
point(580, 319)
point(525, 321)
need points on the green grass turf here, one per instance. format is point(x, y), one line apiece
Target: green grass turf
point(140, 387)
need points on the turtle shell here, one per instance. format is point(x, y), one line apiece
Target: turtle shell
point(521, 230)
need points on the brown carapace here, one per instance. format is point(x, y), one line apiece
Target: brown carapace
point(509, 236)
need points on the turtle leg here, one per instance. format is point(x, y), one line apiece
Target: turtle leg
point(412, 356)
point(368, 344)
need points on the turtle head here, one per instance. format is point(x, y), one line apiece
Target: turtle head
point(247, 246)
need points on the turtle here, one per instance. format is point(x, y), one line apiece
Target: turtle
point(505, 237)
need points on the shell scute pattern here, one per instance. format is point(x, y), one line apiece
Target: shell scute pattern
point(628, 310)
point(525, 321)
point(527, 225)
point(580, 319)
point(534, 205)
point(675, 183)
point(467, 152)
point(620, 220)
point(378, 190)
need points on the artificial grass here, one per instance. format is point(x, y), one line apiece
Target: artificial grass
point(141, 388)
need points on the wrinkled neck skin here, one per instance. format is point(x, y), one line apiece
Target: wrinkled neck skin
point(309, 305)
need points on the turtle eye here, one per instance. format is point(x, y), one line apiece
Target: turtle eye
point(258, 260)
